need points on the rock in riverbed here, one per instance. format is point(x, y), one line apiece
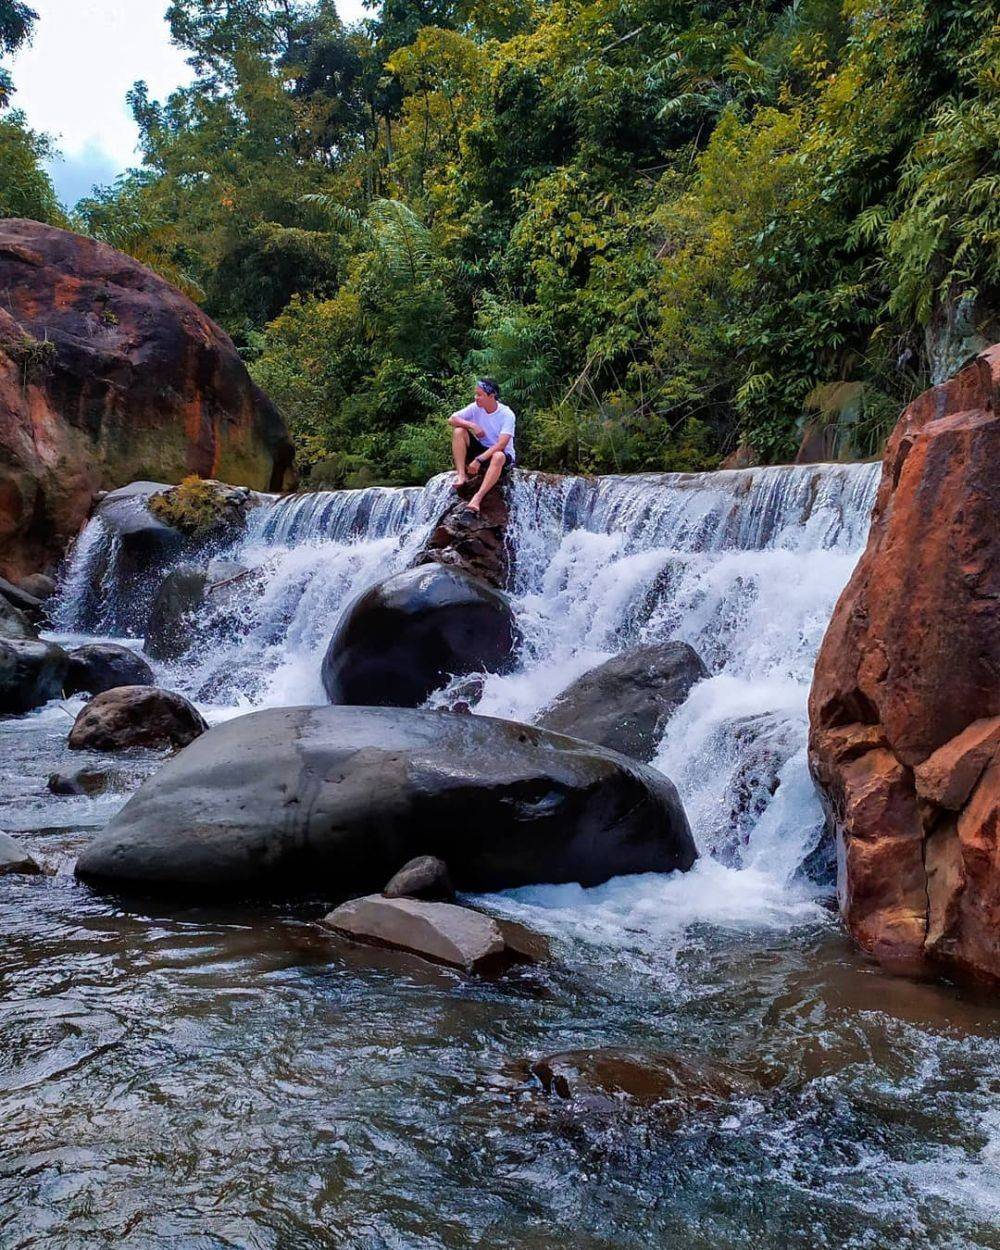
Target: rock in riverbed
point(625, 703)
point(136, 716)
point(331, 801)
point(101, 666)
point(31, 673)
point(14, 858)
point(441, 932)
point(405, 637)
point(424, 877)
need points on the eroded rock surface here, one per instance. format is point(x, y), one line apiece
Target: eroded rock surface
point(107, 372)
point(331, 801)
point(906, 696)
point(475, 543)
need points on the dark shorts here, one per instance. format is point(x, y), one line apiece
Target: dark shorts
point(476, 448)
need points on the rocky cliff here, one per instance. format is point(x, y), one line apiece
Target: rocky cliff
point(108, 374)
point(905, 703)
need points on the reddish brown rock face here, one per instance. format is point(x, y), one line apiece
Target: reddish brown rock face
point(905, 705)
point(109, 374)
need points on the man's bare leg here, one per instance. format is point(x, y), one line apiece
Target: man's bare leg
point(460, 454)
point(490, 479)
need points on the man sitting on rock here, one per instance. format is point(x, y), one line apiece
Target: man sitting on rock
point(484, 430)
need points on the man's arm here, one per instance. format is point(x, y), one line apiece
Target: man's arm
point(499, 445)
point(461, 420)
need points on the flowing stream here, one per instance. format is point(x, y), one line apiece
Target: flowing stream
point(215, 1077)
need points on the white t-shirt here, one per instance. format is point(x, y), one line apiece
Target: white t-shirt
point(501, 421)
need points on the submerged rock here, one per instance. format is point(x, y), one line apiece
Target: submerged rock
point(331, 801)
point(441, 932)
point(403, 639)
point(31, 673)
point(14, 858)
point(136, 716)
point(625, 703)
point(905, 678)
point(605, 1077)
point(423, 877)
point(101, 666)
point(87, 780)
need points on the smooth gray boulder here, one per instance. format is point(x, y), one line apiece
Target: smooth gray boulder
point(14, 858)
point(404, 638)
point(625, 703)
point(101, 666)
point(31, 673)
point(441, 932)
point(423, 877)
point(331, 801)
point(136, 716)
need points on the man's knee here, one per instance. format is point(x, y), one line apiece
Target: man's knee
point(499, 457)
point(460, 435)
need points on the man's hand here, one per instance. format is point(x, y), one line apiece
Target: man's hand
point(478, 430)
point(472, 468)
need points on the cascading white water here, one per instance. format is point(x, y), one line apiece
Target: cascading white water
point(744, 565)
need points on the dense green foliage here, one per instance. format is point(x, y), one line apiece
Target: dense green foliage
point(25, 188)
point(666, 226)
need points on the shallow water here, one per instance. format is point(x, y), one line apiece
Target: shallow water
point(194, 1077)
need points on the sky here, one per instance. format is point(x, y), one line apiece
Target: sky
point(72, 79)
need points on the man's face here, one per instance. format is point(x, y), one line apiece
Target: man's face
point(484, 399)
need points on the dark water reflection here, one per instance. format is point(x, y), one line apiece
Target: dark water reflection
point(208, 1078)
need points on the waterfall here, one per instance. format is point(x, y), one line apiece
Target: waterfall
point(743, 565)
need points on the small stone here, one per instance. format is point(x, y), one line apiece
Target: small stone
point(423, 877)
point(441, 932)
point(38, 585)
point(14, 858)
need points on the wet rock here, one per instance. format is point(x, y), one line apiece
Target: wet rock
point(606, 1077)
point(86, 780)
point(101, 666)
point(105, 369)
point(13, 623)
point(625, 703)
point(136, 716)
point(441, 932)
point(220, 570)
point(173, 625)
point(330, 801)
point(403, 639)
point(905, 686)
point(31, 673)
point(38, 585)
point(477, 544)
point(424, 877)
point(14, 858)
point(32, 607)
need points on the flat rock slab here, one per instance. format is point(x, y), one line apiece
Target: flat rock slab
point(442, 932)
point(329, 802)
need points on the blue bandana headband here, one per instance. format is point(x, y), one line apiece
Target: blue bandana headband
point(488, 387)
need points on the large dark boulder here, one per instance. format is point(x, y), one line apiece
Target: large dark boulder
point(101, 666)
point(402, 639)
point(173, 618)
point(31, 673)
point(109, 373)
point(475, 542)
point(331, 801)
point(136, 716)
point(625, 703)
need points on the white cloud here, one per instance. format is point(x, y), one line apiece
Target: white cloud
point(72, 79)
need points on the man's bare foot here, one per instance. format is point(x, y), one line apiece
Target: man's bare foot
point(459, 482)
